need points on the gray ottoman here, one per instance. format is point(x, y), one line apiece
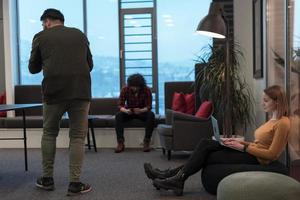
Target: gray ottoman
point(258, 185)
point(212, 174)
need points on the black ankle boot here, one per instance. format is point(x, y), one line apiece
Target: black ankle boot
point(160, 174)
point(121, 146)
point(175, 183)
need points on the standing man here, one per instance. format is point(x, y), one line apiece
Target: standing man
point(135, 102)
point(64, 56)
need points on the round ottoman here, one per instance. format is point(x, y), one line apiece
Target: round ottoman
point(258, 185)
point(211, 175)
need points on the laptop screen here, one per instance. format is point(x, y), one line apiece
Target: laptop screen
point(215, 128)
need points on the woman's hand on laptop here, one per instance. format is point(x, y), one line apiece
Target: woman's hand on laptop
point(227, 139)
point(231, 142)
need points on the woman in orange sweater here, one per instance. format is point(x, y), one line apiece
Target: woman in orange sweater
point(270, 141)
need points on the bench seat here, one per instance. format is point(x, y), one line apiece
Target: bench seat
point(17, 122)
point(99, 121)
point(102, 110)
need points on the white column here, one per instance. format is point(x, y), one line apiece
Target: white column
point(10, 50)
point(243, 33)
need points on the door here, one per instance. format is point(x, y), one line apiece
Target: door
point(138, 45)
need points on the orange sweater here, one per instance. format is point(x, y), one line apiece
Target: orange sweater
point(270, 140)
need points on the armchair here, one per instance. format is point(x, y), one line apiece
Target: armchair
point(182, 131)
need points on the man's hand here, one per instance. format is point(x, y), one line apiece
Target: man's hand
point(127, 111)
point(138, 111)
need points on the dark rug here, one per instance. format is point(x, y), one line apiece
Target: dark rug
point(112, 176)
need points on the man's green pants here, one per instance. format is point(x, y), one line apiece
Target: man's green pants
point(78, 122)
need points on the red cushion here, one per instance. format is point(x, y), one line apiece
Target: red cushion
point(204, 110)
point(178, 102)
point(1, 98)
point(190, 103)
point(3, 101)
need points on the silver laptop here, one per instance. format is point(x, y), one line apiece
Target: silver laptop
point(217, 133)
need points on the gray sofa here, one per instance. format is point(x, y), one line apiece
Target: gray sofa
point(103, 110)
point(181, 132)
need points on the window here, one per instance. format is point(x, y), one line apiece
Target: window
point(103, 34)
point(138, 43)
point(283, 64)
point(30, 24)
point(294, 85)
point(178, 44)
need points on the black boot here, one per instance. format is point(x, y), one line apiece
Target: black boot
point(146, 147)
point(120, 147)
point(160, 174)
point(175, 183)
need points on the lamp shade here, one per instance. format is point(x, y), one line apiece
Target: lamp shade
point(213, 24)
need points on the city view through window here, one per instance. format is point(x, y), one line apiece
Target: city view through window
point(178, 45)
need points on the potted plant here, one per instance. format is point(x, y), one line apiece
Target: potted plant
point(210, 83)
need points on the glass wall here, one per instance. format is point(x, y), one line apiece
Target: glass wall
point(178, 45)
point(103, 34)
point(30, 24)
point(276, 42)
point(284, 39)
point(294, 44)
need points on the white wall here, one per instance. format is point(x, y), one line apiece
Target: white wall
point(243, 32)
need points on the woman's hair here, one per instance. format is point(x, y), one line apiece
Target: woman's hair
point(277, 94)
point(136, 80)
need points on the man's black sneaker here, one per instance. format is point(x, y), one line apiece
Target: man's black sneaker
point(76, 188)
point(45, 183)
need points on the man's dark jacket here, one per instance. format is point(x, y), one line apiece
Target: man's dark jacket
point(64, 56)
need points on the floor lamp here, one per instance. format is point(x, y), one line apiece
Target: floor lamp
point(215, 25)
